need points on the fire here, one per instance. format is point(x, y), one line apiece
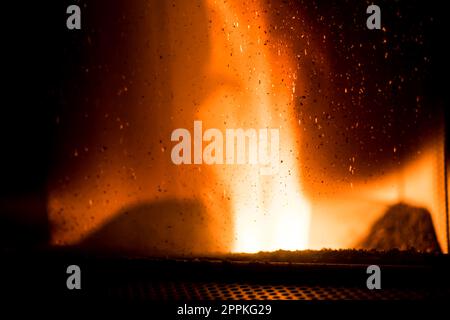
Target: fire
point(218, 62)
point(270, 212)
point(216, 70)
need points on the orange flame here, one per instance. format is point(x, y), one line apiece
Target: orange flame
point(270, 211)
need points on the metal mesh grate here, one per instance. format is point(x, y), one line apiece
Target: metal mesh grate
point(240, 291)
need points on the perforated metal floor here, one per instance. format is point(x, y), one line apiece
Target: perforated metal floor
point(168, 291)
point(142, 280)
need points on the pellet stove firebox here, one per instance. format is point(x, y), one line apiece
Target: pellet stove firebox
point(231, 150)
point(252, 126)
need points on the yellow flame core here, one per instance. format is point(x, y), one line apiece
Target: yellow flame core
point(256, 89)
